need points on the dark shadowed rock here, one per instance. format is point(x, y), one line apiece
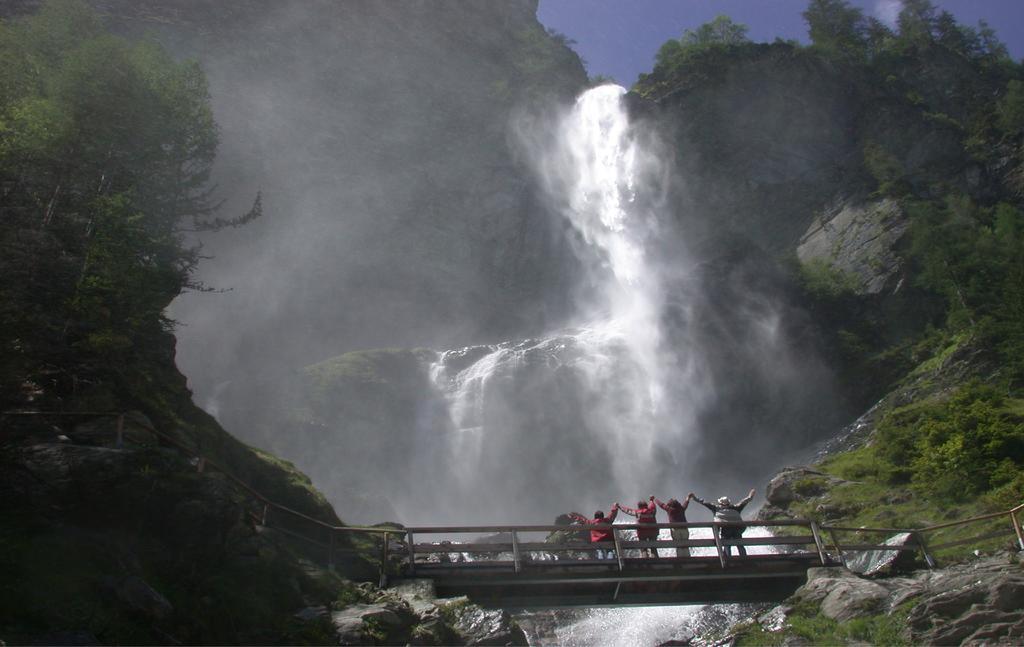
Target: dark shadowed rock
point(66, 638)
point(143, 599)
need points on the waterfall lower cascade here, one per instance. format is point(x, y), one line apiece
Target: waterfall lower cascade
point(591, 414)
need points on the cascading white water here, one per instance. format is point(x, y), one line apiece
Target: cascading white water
point(596, 165)
point(605, 393)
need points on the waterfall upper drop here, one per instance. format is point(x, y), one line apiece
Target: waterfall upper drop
point(594, 175)
point(583, 409)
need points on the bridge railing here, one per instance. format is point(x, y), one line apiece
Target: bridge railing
point(519, 546)
point(929, 540)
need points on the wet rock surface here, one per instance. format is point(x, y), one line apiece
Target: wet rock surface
point(411, 613)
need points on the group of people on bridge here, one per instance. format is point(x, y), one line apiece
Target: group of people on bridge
point(725, 511)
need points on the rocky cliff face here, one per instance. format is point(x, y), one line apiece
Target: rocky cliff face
point(761, 140)
point(397, 213)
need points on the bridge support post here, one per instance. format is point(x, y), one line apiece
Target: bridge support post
point(515, 551)
point(1017, 528)
point(924, 550)
point(718, 544)
point(839, 550)
point(383, 559)
point(816, 533)
point(412, 552)
point(618, 550)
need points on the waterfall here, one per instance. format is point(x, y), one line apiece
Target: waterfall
point(593, 174)
point(599, 411)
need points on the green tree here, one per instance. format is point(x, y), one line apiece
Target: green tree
point(707, 39)
point(835, 25)
point(106, 148)
point(917, 22)
point(720, 31)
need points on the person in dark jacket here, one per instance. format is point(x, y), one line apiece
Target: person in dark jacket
point(728, 512)
point(677, 514)
point(601, 536)
point(645, 513)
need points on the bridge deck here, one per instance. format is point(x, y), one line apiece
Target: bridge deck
point(639, 581)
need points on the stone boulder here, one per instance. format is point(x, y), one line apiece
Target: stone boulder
point(853, 597)
point(798, 484)
point(419, 594)
point(973, 607)
point(362, 623)
point(874, 563)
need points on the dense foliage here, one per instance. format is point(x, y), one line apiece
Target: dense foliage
point(937, 126)
point(105, 151)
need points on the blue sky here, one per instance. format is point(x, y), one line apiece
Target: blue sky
point(618, 38)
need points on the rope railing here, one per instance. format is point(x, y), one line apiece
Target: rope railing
point(203, 463)
point(415, 554)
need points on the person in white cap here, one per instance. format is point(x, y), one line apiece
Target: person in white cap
point(728, 512)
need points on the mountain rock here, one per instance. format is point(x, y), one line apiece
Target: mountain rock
point(858, 239)
point(795, 483)
point(977, 602)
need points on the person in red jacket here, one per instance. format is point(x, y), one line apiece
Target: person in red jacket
point(645, 513)
point(600, 536)
point(677, 514)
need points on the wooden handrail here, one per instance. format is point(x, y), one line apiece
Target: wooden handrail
point(847, 529)
point(963, 522)
point(448, 530)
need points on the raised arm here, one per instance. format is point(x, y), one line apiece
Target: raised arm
point(710, 506)
point(614, 513)
point(661, 504)
point(741, 504)
point(630, 511)
point(576, 516)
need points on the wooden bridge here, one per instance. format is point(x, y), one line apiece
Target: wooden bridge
point(515, 570)
point(554, 566)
